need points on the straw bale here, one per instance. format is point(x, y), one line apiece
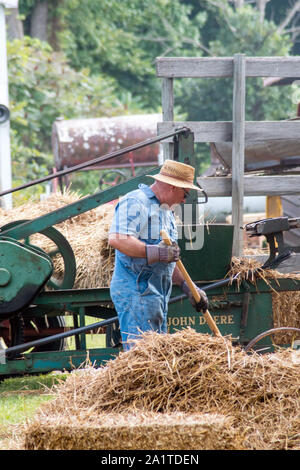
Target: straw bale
point(286, 312)
point(192, 373)
point(87, 234)
point(138, 431)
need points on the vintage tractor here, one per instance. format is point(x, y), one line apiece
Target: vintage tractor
point(34, 304)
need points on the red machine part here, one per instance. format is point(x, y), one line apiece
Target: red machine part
point(76, 141)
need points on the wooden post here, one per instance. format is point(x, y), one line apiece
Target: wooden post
point(273, 206)
point(238, 148)
point(168, 113)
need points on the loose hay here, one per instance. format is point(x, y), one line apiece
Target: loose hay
point(191, 373)
point(87, 234)
point(253, 401)
point(285, 305)
point(251, 270)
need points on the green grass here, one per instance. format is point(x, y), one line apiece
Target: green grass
point(93, 341)
point(20, 398)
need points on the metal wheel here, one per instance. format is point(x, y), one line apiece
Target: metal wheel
point(272, 332)
point(120, 177)
point(61, 247)
point(113, 335)
point(18, 330)
point(39, 328)
point(16, 336)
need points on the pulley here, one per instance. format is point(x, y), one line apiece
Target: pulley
point(4, 114)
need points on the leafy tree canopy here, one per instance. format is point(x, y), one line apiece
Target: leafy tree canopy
point(43, 87)
point(99, 60)
point(240, 31)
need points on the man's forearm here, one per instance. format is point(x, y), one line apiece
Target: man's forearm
point(135, 248)
point(128, 245)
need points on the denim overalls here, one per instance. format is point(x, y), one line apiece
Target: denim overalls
point(139, 291)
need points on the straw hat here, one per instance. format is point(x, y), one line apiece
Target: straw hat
point(177, 174)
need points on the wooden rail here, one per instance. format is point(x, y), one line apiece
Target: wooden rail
point(209, 67)
point(221, 131)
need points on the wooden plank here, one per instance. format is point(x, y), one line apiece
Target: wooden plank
point(253, 185)
point(268, 130)
point(194, 67)
point(273, 67)
point(167, 95)
point(221, 131)
point(238, 148)
point(210, 67)
point(206, 131)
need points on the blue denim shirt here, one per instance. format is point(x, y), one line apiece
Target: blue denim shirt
point(141, 291)
point(141, 215)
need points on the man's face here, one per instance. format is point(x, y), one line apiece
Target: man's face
point(176, 195)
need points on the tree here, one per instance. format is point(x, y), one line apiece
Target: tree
point(119, 39)
point(240, 31)
point(113, 43)
point(285, 14)
point(42, 87)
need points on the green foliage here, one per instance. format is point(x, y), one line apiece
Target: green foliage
point(124, 38)
point(240, 32)
point(105, 66)
point(25, 6)
point(43, 87)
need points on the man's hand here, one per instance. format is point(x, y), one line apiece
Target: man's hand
point(162, 253)
point(200, 306)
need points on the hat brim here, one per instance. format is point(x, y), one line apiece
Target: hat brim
point(174, 182)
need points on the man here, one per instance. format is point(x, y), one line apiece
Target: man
point(145, 267)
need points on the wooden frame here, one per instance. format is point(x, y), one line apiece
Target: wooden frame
point(236, 131)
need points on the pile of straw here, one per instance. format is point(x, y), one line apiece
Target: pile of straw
point(285, 305)
point(251, 270)
point(185, 372)
point(87, 234)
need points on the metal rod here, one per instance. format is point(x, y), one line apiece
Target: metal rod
point(96, 160)
point(77, 331)
point(221, 283)
point(65, 334)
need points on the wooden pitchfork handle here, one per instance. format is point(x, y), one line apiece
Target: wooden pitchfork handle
point(192, 287)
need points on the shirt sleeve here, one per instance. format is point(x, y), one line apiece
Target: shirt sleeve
point(129, 217)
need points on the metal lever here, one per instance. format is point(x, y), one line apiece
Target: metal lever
point(273, 229)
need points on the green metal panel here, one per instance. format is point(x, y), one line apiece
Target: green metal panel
point(184, 149)
point(74, 296)
point(228, 310)
point(260, 316)
point(23, 271)
point(212, 260)
point(183, 315)
point(56, 360)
